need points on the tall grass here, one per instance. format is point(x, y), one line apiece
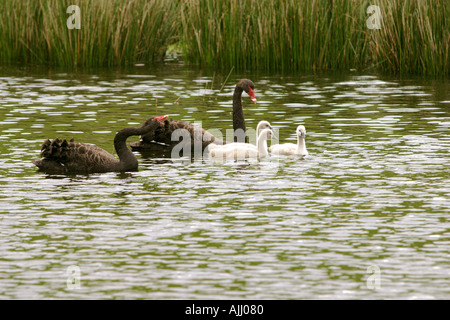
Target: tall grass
point(414, 37)
point(267, 34)
point(113, 32)
point(289, 35)
point(317, 35)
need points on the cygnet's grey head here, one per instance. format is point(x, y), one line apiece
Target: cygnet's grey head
point(267, 133)
point(301, 131)
point(262, 125)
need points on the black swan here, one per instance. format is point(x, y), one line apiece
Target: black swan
point(62, 157)
point(163, 133)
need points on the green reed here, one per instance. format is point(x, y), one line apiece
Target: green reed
point(113, 32)
point(289, 35)
point(414, 37)
point(317, 35)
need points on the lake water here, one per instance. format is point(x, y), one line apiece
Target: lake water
point(364, 216)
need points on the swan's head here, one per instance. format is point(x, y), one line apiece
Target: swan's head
point(249, 87)
point(161, 118)
point(267, 134)
point(261, 126)
point(159, 123)
point(301, 131)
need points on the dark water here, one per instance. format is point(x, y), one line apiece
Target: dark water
point(365, 216)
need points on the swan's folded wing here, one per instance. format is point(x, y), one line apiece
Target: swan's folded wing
point(233, 151)
point(283, 149)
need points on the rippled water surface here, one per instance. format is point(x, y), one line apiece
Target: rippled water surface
point(364, 216)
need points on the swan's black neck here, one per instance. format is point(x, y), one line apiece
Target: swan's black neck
point(128, 161)
point(238, 117)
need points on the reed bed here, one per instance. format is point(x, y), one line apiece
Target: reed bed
point(112, 33)
point(317, 35)
point(271, 35)
point(414, 37)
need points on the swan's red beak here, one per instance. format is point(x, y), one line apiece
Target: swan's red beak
point(251, 93)
point(161, 118)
